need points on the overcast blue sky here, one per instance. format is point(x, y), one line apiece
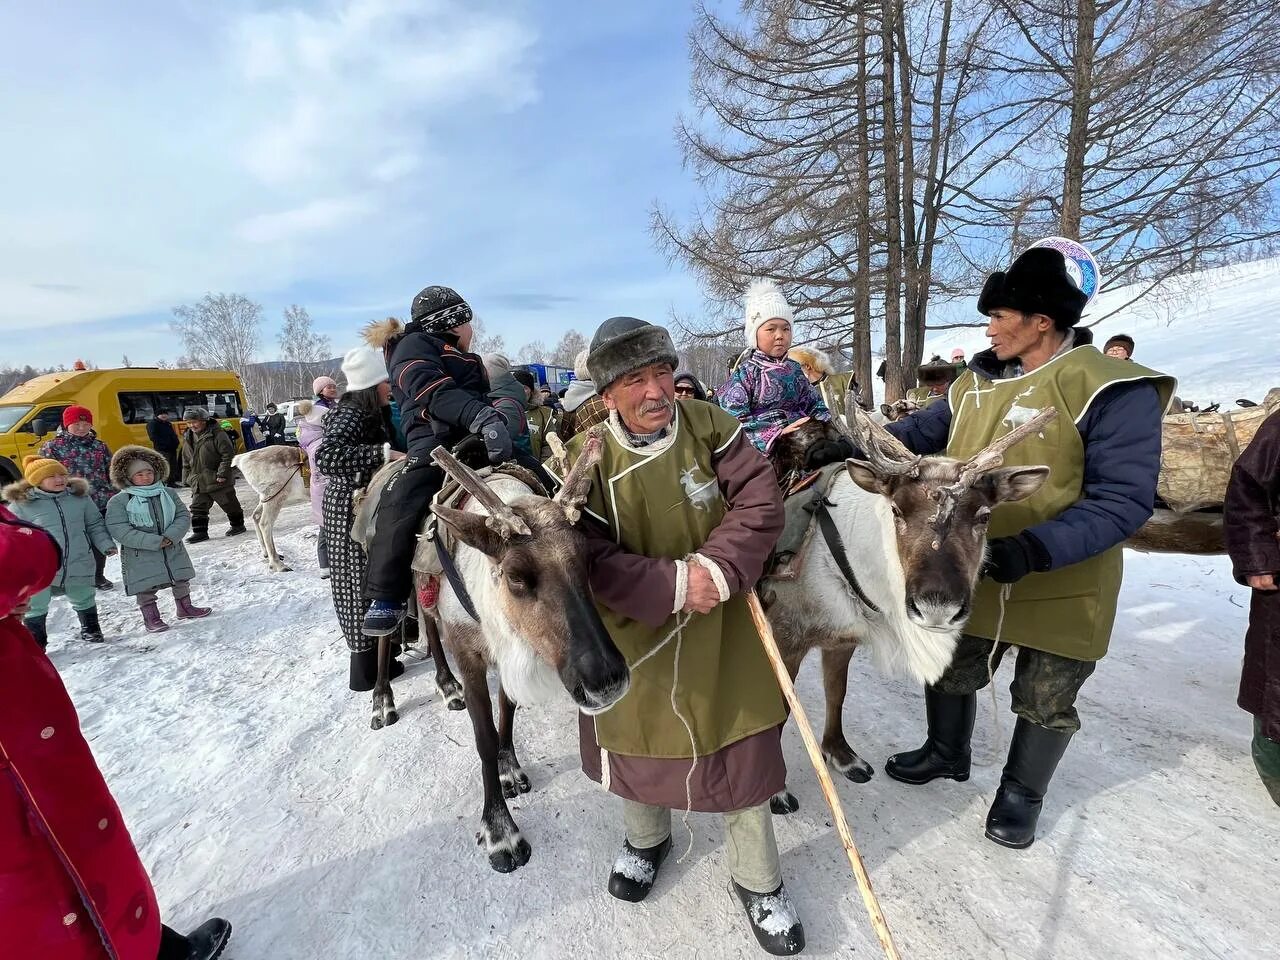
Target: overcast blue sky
point(337, 154)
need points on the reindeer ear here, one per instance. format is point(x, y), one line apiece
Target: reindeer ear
point(472, 530)
point(865, 476)
point(1010, 484)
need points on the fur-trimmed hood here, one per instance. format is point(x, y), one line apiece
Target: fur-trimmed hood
point(125, 455)
point(22, 491)
point(378, 333)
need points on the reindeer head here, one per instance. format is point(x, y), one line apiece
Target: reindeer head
point(539, 567)
point(941, 508)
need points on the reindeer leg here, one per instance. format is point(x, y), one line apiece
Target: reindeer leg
point(266, 529)
point(256, 517)
point(835, 682)
point(498, 833)
point(446, 683)
point(514, 780)
point(384, 701)
point(784, 801)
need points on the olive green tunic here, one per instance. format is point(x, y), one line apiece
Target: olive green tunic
point(663, 502)
point(1069, 611)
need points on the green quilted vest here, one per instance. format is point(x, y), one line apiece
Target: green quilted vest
point(666, 504)
point(1068, 611)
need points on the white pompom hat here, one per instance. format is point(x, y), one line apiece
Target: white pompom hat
point(764, 302)
point(363, 367)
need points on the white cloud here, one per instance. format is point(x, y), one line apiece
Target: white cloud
point(316, 216)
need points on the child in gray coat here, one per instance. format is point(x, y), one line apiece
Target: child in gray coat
point(49, 498)
point(149, 521)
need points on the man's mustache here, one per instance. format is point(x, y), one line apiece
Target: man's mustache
point(656, 406)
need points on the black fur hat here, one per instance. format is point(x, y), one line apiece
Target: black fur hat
point(624, 344)
point(1037, 282)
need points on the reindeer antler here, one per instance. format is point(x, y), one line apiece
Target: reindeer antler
point(577, 484)
point(984, 461)
point(886, 453)
point(558, 452)
point(502, 520)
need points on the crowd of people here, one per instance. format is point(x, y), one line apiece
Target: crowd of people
point(1050, 579)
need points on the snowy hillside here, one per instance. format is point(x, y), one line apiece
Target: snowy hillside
point(1217, 331)
point(256, 790)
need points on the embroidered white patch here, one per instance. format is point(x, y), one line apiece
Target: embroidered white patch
point(703, 494)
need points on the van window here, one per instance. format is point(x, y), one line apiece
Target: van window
point(136, 407)
point(9, 415)
point(45, 422)
point(224, 404)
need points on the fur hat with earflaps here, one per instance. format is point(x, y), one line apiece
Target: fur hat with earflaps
point(124, 461)
point(1037, 282)
point(625, 344)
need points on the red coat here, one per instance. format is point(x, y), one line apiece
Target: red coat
point(71, 884)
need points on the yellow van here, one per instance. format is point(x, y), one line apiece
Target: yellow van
point(122, 401)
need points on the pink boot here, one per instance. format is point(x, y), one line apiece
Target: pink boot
point(151, 617)
point(189, 611)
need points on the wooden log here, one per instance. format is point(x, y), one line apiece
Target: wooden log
point(878, 923)
point(1167, 531)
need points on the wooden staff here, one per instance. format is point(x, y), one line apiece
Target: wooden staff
point(824, 778)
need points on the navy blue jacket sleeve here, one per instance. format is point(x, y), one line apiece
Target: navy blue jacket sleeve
point(1121, 433)
point(925, 432)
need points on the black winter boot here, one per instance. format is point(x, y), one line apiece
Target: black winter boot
point(90, 631)
point(635, 870)
point(1033, 757)
point(946, 752)
point(199, 529)
point(206, 942)
point(773, 920)
point(364, 670)
point(237, 525)
point(37, 627)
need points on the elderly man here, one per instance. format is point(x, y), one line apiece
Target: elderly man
point(206, 463)
point(682, 514)
point(1054, 564)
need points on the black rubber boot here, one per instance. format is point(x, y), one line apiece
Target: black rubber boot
point(90, 631)
point(1033, 757)
point(237, 525)
point(37, 627)
point(364, 670)
point(199, 529)
point(636, 869)
point(773, 920)
point(206, 942)
point(946, 752)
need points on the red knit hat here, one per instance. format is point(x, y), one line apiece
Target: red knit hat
point(74, 413)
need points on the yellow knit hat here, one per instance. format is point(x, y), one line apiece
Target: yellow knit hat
point(36, 470)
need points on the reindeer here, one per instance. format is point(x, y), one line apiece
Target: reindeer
point(275, 473)
point(522, 567)
point(908, 603)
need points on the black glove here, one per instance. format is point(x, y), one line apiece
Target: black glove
point(493, 431)
point(1009, 559)
point(824, 452)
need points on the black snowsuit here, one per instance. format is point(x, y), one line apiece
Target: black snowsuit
point(164, 440)
point(353, 448)
point(440, 390)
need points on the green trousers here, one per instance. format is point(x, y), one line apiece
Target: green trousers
point(1044, 687)
point(82, 598)
point(750, 844)
point(1266, 757)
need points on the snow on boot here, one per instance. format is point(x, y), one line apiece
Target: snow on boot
point(635, 870)
point(208, 940)
point(38, 629)
point(946, 751)
point(90, 631)
point(151, 617)
point(1033, 758)
point(383, 618)
point(188, 610)
point(773, 920)
point(364, 670)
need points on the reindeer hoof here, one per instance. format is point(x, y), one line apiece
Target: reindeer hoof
point(783, 803)
point(451, 691)
point(384, 719)
point(514, 784)
point(851, 767)
point(510, 854)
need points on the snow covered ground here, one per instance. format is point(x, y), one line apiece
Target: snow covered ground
point(1217, 331)
point(256, 790)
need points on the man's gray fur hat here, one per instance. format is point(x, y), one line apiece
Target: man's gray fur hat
point(624, 344)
